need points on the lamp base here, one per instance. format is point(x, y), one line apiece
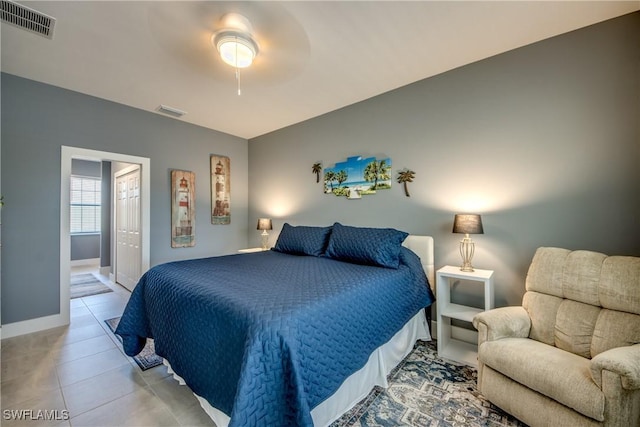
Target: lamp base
point(467, 268)
point(265, 240)
point(467, 248)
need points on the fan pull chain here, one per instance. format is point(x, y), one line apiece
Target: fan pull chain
point(238, 80)
point(237, 69)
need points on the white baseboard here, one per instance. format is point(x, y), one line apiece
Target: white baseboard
point(105, 271)
point(10, 330)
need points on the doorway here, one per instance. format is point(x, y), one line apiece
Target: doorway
point(143, 223)
point(90, 226)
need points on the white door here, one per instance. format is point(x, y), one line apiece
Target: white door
point(128, 250)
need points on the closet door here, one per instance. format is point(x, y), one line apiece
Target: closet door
point(128, 251)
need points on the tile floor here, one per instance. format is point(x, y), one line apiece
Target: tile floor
point(82, 369)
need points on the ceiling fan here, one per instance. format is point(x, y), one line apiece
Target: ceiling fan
point(194, 32)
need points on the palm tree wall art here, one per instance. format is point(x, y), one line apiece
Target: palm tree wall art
point(405, 176)
point(358, 176)
point(317, 168)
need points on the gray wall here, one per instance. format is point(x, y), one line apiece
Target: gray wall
point(543, 141)
point(36, 120)
point(86, 168)
point(85, 246)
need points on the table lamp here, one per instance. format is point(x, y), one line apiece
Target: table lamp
point(264, 224)
point(467, 224)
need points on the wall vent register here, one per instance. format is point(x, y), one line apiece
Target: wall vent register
point(27, 18)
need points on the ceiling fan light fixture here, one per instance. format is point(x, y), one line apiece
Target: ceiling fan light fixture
point(235, 43)
point(236, 49)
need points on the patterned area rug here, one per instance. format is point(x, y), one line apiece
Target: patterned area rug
point(147, 358)
point(427, 391)
point(84, 285)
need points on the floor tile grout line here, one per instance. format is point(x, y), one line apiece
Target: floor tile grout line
point(62, 387)
point(102, 325)
point(55, 363)
point(165, 404)
point(99, 406)
point(84, 357)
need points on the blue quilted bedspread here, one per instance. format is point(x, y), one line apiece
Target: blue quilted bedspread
point(265, 337)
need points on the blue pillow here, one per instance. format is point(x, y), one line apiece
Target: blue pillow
point(302, 240)
point(368, 246)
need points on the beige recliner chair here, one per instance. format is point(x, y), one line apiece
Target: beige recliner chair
point(570, 356)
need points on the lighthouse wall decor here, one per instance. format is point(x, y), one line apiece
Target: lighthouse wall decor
point(220, 189)
point(183, 209)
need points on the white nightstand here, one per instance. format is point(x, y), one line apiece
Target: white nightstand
point(249, 250)
point(447, 346)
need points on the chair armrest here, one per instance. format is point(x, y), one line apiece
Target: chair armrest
point(620, 360)
point(503, 322)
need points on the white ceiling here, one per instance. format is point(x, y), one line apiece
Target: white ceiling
point(314, 57)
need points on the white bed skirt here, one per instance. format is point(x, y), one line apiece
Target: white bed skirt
point(358, 385)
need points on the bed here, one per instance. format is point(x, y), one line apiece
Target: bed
point(291, 336)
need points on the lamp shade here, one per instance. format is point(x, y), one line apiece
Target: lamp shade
point(468, 224)
point(264, 224)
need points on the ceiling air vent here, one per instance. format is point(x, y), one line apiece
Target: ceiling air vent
point(28, 19)
point(171, 111)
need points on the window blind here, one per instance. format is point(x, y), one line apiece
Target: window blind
point(85, 204)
